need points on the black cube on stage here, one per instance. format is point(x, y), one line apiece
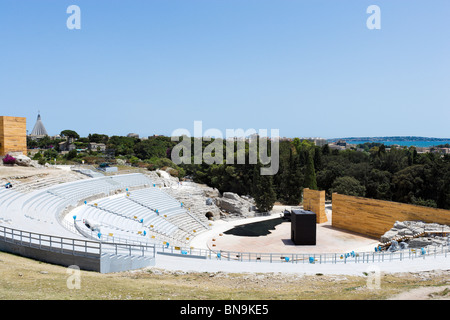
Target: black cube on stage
point(303, 227)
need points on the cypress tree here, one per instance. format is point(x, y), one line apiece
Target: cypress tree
point(292, 181)
point(310, 174)
point(263, 190)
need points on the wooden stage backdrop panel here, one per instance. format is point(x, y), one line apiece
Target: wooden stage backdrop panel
point(13, 135)
point(314, 200)
point(374, 217)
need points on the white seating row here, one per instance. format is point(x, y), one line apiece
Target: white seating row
point(45, 205)
point(121, 206)
point(148, 211)
point(169, 207)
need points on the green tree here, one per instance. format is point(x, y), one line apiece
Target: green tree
point(392, 161)
point(348, 186)
point(409, 183)
point(45, 142)
point(263, 190)
point(37, 156)
point(423, 202)
point(72, 154)
point(318, 162)
point(310, 174)
point(154, 147)
point(412, 156)
point(443, 190)
point(335, 167)
point(70, 134)
point(98, 138)
point(50, 154)
point(31, 144)
point(122, 145)
point(379, 185)
point(397, 174)
point(326, 150)
point(291, 184)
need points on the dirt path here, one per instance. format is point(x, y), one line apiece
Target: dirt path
point(424, 293)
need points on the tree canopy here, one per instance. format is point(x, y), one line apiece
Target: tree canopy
point(373, 171)
point(70, 134)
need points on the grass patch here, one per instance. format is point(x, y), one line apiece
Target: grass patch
point(24, 279)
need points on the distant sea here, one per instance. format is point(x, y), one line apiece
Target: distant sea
point(406, 143)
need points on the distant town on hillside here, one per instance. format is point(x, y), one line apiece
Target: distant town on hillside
point(390, 138)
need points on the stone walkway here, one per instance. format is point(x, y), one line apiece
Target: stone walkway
point(329, 239)
point(187, 264)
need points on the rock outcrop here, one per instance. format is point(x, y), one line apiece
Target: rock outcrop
point(22, 160)
point(234, 204)
point(196, 197)
point(204, 200)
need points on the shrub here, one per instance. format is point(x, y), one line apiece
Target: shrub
point(37, 156)
point(173, 172)
point(349, 186)
point(72, 154)
point(9, 159)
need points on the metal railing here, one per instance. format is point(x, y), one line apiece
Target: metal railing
point(312, 258)
point(319, 258)
point(50, 243)
point(76, 247)
point(94, 249)
point(335, 258)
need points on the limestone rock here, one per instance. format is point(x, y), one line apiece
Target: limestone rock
point(195, 197)
point(232, 196)
point(203, 201)
point(22, 160)
point(399, 225)
point(388, 236)
point(419, 242)
point(405, 232)
point(410, 229)
point(234, 204)
point(120, 162)
point(212, 192)
point(35, 164)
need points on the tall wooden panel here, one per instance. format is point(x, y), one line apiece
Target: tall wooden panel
point(374, 217)
point(314, 200)
point(13, 135)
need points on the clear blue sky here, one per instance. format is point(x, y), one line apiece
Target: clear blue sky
point(307, 68)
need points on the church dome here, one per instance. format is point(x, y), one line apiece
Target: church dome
point(39, 129)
